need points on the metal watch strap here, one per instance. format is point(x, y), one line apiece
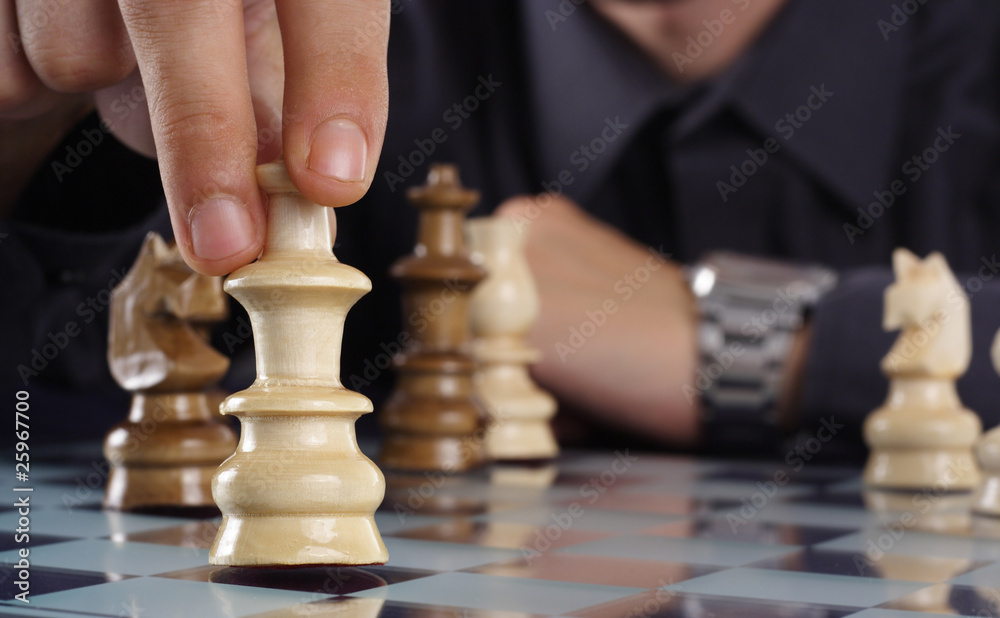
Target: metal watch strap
point(751, 310)
point(740, 375)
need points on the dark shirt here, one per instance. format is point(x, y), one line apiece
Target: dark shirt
point(822, 116)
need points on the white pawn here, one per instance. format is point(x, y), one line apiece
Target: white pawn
point(987, 499)
point(504, 307)
point(922, 437)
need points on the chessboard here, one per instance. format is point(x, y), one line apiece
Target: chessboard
point(595, 534)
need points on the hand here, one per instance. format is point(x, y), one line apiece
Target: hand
point(617, 328)
point(228, 83)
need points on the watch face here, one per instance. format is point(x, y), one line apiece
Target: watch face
point(759, 277)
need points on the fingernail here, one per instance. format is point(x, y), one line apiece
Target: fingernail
point(339, 150)
point(220, 227)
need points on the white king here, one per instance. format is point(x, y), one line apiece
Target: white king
point(298, 490)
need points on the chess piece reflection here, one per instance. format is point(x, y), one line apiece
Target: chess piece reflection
point(433, 494)
point(298, 490)
point(433, 420)
point(987, 498)
point(926, 511)
point(165, 453)
point(922, 436)
point(504, 307)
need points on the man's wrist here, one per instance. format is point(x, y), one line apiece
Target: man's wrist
point(789, 407)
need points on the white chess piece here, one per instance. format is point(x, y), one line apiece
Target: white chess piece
point(922, 436)
point(504, 308)
point(987, 498)
point(298, 490)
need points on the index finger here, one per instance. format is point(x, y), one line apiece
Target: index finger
point(192, 57)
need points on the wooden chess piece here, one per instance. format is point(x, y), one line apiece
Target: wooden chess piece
point(165, 453)
point(922, 436)
point(433, 420)
point(504, 308)
point(298, 490)
point(987, 498)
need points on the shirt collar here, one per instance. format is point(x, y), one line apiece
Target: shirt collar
point(847, 143)
point(584, 72)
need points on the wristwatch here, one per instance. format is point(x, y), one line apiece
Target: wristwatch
point(751, 309)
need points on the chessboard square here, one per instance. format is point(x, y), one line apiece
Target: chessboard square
point(982, 577)
point(107, 556)
point(741, 471)
point(752, 531)
point(640, 503)
point(45, 580)
point(908, 542)
point(640, 464)
point(8, 609)
point(351, 607)
point(67, 474)
point(51, 496)
point(929, 570)
point(503, 593)
point(197, 534)
point(434, 556)
point(734, 491)
point(954, 600)
point(389, 521)
point(596, 570)
point(87, 523)
point(668, 549)
point(851, 499)
point(799, 587)
point(512, 495)
point(589, 518)
point(881, 612)
point(8, 542)
point(171, 598)
point(671, 604)
point(805, 514)
point(503, 534)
